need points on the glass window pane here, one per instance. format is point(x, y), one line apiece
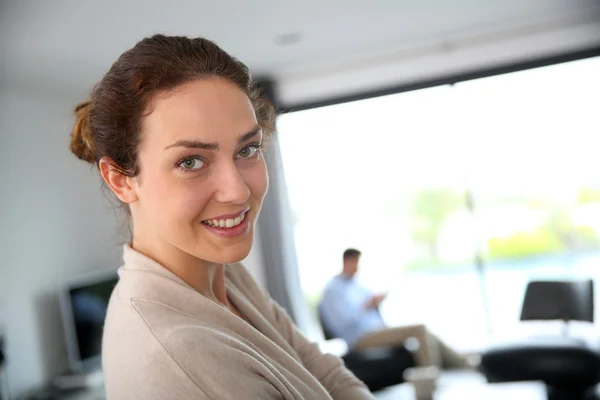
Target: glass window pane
point(387, 176)
point(534, 173)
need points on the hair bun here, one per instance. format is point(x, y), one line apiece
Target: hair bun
point(82, 143)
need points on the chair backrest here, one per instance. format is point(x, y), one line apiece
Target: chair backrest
point(326, 332)
point(559, 300)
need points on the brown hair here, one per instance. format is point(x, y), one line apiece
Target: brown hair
point(351, 253)
point(109, 123)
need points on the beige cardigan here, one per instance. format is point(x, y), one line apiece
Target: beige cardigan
point(165, 341)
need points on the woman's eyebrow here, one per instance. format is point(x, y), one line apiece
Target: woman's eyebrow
point(197, 144)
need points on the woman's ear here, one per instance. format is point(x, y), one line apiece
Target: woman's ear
point(117, 181)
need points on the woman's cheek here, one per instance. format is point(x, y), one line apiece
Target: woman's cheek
point(258, 180)
point(191, 202)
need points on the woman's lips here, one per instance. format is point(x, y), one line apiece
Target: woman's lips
point(228, 225)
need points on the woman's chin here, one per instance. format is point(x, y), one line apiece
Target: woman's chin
point(231, 255)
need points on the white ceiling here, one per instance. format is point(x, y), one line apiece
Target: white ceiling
point(72, 42)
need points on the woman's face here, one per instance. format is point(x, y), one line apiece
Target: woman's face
point(203, 177)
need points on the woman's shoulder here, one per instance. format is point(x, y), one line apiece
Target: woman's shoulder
point(170, 309)
point(166, 329)
point(149, 344)
point(153, 302)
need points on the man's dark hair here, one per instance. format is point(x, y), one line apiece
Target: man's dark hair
point(351, 253)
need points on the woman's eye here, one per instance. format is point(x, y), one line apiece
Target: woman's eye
point(191, 164)
point(248, 152)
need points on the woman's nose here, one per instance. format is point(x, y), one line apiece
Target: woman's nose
point(231, 188)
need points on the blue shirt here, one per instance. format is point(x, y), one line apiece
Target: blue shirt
point(342, 310)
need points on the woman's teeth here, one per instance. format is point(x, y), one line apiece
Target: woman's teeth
point(225, 223)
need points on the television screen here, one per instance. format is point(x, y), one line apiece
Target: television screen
point(85, 311)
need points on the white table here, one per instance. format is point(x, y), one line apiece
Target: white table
point(469, 385)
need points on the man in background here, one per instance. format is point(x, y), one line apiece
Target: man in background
point(351, 312)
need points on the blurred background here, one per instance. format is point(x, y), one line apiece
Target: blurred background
point(453, 143)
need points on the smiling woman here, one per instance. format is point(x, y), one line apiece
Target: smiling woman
point(176, 128)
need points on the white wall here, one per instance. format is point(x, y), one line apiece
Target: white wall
point(56, 221)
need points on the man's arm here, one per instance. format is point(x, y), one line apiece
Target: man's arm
point(374, 301)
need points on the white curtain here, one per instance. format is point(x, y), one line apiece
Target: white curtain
point(276, 230)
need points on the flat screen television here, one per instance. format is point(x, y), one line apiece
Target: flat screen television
point(83, 307)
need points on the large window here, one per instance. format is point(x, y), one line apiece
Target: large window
point(501, 169)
